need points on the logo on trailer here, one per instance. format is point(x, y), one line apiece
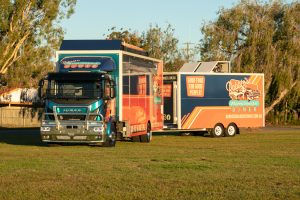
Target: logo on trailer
point(246, 89)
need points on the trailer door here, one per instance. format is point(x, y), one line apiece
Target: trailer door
point(170, 101)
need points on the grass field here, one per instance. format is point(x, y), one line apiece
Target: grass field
point(258, 164)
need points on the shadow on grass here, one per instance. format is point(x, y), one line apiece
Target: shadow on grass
point(21, 136)
point(181, 133)
point(31, 137)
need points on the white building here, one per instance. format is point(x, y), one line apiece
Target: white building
point(20, 95)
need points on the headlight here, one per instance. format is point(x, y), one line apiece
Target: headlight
point(98, 129)
point(45, 128)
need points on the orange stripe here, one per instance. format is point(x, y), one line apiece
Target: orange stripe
point(195, 118)
point(187, 119)
point(254, 79)
point(191, 117)
point(257, 80)
point(251, 79)
point(184, 118)
point(215, 107)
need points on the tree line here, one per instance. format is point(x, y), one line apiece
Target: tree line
point(257, 37)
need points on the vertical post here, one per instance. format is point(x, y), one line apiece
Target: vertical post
point(23, 120)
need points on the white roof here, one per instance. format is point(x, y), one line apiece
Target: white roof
point(189, 67)
point(207, 66)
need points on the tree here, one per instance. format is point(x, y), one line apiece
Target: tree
point(162, 44)
point(159, 43)
point(257, 37)
point(29, 34)
point(124, 35)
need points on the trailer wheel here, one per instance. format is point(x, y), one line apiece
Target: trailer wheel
point(231, 130)
point(218, 130)
point(148, 136)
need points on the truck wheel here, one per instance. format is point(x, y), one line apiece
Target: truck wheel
point(231, 130)
point(135, 138)
point(218, 130)
point(111, 141)
point(147, 137)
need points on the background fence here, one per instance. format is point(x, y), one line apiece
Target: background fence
point(20, 117)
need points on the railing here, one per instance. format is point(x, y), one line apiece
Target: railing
point(61, 122)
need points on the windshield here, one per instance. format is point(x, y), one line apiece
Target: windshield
point(74, 89)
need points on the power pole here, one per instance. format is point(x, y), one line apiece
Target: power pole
point(187, 50)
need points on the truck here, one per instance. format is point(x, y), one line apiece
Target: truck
point(206, 96)
point(100, 92)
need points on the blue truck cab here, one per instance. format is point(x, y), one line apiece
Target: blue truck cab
point(102, 90)
point(78, 101)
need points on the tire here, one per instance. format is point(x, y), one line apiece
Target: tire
point(148, 136)
point(231, 130)
point(218, 130)
point(111, 141)
point(135, 138)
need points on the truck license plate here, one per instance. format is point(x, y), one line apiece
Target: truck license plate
point(63, 137)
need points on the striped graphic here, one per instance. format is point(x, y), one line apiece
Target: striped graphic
point(255, 79)
point(200, 117)
point(191, 118)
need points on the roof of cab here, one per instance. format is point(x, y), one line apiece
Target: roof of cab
point(90, 45)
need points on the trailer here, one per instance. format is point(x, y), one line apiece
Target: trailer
point(102, 90)
point(216, 101)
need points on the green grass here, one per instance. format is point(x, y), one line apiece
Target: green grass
point(258, 164)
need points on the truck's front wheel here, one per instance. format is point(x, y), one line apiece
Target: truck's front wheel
point(111, 139)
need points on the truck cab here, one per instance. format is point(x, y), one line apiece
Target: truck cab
point(78, 108)
point(100, 89)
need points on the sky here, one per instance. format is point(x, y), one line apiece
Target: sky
point(93, 18)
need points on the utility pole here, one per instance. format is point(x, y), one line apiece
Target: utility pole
point(187, 50)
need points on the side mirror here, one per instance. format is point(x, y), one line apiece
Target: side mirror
point(112, 93)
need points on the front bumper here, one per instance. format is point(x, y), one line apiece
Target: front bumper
point(73, 132)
